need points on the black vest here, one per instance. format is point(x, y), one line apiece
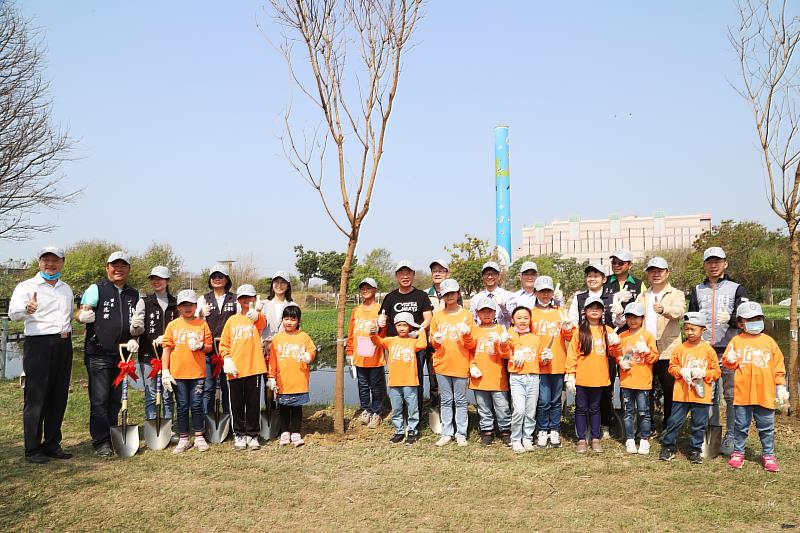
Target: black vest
point(112, 319)
point(611, 289)
point(155, 322)
point(607, 300)
point(216, 320)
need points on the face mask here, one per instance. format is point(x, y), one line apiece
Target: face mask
point(50, 277)
point(754, 328)
point(519, 330)
point(541, 303)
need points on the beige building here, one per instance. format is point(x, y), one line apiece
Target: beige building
point(594, 240)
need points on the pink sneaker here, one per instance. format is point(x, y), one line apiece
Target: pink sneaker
point(297, 440)
point(284, 438)
point(737, 460)
point(770, 463)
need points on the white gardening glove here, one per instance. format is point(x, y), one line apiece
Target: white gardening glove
point(305, 357)
point(229, 367)
point(504, 337)
point(86, 316)
point(194, 343)
point(732, 356)
point(558, 296)
point(519, 358)
point(723, 316)
point(462, 328)
point(438, 337)
point(567, 325)
point(132, 346)
point(616, 307)
point(475, 372)
point(159, 340)
point(259, 305)
point(613, 339)
point(547, 355)
point(374, 329)
point(349, 359)
point(782, 395)
point(167, 381)
point(413, 333)
point(252, 314)
point(500, 300)
point(272, 384)
point(137, 322)
point(624, 295)
point(32, 305)
point(382, 320)
point(492, 336)
point(698, 373)
point(642, 348)
point(206, 309)
point(686, 374)
point(625, 363)
point(569, 381)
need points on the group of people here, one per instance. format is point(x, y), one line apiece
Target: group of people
point(517, 351)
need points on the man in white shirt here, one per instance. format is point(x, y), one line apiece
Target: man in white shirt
point(490, 274)
point(44, 304)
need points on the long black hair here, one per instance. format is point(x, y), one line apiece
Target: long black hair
point(585, 333)
point(288, 294)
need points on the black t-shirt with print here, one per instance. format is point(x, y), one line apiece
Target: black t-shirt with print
point(415, 302)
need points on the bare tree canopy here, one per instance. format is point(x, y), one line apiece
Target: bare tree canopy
point(31, 148)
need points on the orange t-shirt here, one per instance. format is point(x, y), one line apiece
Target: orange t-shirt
point(241, 340)
point(451, 358)
point(702, 355)
point(640, 376)
point(490, 358)
point(530, 345)
point(759, 369)
point(546, 323)
point(184, 363)
point(359, 344)
point(591, 370)
point(402, 358)
point(285, 366)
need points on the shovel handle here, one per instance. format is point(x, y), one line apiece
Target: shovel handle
point(216, 345)
point(155, 350)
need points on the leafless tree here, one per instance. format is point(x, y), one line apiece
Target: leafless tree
point(765, 43)
point(345, 56)
point(31, 148)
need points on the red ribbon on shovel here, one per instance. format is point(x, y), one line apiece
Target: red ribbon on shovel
point(216, 363)
point(126, 369)
point(156, 368)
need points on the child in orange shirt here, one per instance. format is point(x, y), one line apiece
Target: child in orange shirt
point(488, 374)
point(243, 362)
point(587, 370)
point(758, 367)
point(403, 377)
point(695, 367)
point(361, 354)
point(451, 338)
point(523, 369)
point(290, 354)
point(186, 341)
point(639, 352)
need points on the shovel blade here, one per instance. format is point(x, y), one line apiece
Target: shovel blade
point(217, 430)
point(155, 437)
point(270, 425)
point(125, 440)
point(712, 442)
point(435, 420)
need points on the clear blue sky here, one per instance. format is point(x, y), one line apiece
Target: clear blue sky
point(613, 107)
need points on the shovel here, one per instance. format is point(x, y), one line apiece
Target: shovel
point(125, 438)
point(712, 442)
point(270, 418)
point(217, 424)
point(435, 420)
point(157, 433)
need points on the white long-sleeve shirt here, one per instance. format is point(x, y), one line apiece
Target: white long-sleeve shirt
point(573, 308)
point(500, 296)
point(54, 313)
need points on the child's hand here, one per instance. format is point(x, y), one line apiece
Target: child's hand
point(504, 337)
point(547, 355)
point(438, 337)
point(475, 372)
point(783, 394)
point(382, 319)
point(569, 381)
point(732, 357)
point(519, 358)
point(229, 367)
point(252, 314)
point(374, 328)
point(132, 346)
point(305, 357)
point(698, 373)
point(462, 328)
point(413, 333)
point(259, 305)
point(642, 348)
point(167, 380)
point(193, 343)
point(613, 339)
point(625, 363)
point(272, 384)
point(492, 336)
point(349, 360)
point(686, 374)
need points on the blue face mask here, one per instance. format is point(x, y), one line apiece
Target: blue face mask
point(754, 328)
point(50, 277)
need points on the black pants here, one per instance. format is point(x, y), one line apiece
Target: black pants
point(105, 400)
point(425, 358)
point(291, 416)
point(47, 362)
point(667, 382)
point(606, 400)
point(245, 398)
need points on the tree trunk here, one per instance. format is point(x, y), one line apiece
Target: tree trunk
point(794, 239)
point(341, 306)
point(768, 294)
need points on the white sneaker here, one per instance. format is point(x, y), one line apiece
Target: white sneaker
point(541, 439)
point(183, 444)
point(364, 418)
point(518, 447)
point(285, 438)
point(200, 443)
point(443, 440)
point(252, 443)
point(240, 442)
point(297, 440)
point(604, 433)
point(644, 447)
point(528, 444)
point(630, 446)
point(555, 439)
point(461, 440)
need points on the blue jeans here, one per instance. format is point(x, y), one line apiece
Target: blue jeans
point(453, 391)
point(587, 405)
point(548, 410)
point(167, 401)
point(398, 395)
point(524, 396)
point(485, 401)
point(210, 389)
point(765, 425)
point(371, 388)
point(633, 401)
point(189, 396)
point(680, 410)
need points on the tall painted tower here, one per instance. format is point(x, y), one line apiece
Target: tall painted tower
point(502, 186)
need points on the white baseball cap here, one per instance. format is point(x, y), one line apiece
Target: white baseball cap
point(246, 290)
point(406, 317)
point(596, 266)
point(118, 256)
point(404, 263)
point(657, 262)
point(714, 251)
point(484, 302)
point(594, 300)
point(749, 310)
point(623, 254)
point(219, 268)
point(187, 296)
point(695, 318)
point(159, 272)
point(543, 283)
point(528, 265)
point(441, 262)
point(283, 275)
point(634, 309)
point(448, 285)
point(490, 264)
point(369, 281)
point(55, 250)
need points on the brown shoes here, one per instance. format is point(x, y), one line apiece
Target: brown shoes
point(581, 446)
point(596, 446)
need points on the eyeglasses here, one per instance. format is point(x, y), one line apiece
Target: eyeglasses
point(217, 276)
point(617, 262)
